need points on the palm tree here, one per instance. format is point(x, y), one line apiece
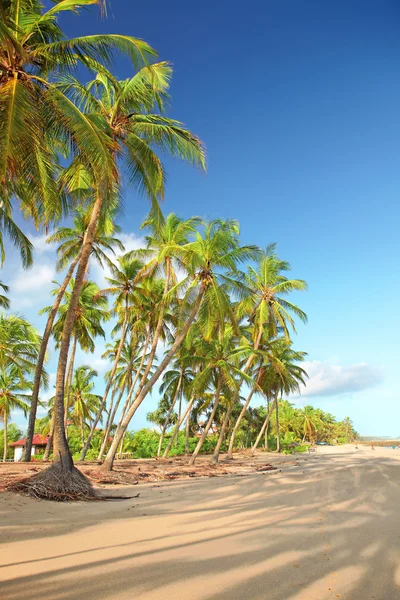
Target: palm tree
point(217, 249)
point(84, 402)
point(90, 314)
point(39, 119)
point(176, 383)
point(134, 132)
point(310, 421)
point(19, 344)
point(282, 375)
point(266, 309)
point(69, 251)
point(122, 285)
point(12, 396)
point(220, 370)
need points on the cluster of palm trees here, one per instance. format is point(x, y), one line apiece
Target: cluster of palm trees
point(195, 311)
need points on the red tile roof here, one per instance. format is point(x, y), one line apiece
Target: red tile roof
point(38, 440)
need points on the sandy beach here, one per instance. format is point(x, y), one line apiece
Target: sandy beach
point(324, 526)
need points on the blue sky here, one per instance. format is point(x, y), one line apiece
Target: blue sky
point(297, 103)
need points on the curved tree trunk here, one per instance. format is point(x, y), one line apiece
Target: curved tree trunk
point(239, 420)
point(167, 418)
point(267, 427)
point(246, 369)
point(217, 448)
point(61, 451)
point(108, 386)
point(263, 428)
point(5, 436)
point(178, 425)
point(110, 422)
point(157, 330)
point(209, 423)
point(133, 384)
point(70, 373)
point(49, 441)
point(141, 394)
point(278, 439)
point(41, 358)
point(187, 432)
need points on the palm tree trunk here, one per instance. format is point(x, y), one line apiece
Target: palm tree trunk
point(167, 418)
point(217, 448)
point(133, 384)
point(278, 439)
point(239, 419)
point(267, 427)
point(82, 431)
point(209, 423)
point(263, 428)
point(141, 394)
point(187, 432)
point(70, 373)
point(109, 424)
point(61, 450)
point(49, 441)
point(178, 425)
point(41, 358)
point(5, 436)
point(108, 386)
point(246, 369)
point(158, 328)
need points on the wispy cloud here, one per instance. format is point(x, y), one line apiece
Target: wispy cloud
point(28, 288)
point(327, 379)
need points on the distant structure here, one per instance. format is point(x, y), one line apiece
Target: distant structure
point(39, 443)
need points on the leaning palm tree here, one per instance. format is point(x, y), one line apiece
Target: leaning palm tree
point(90, 315)
point(69, 253)
point(134, 133)
point(13, 386)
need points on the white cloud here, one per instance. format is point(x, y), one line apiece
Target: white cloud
point(130, 242)
point(30, 287)
point(40, 245)
point(326, 379)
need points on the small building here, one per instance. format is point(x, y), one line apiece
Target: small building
point(39, 443)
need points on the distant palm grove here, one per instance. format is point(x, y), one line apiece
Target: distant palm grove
point(198, 319)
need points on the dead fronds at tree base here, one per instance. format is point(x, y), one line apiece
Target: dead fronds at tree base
point(58, 484)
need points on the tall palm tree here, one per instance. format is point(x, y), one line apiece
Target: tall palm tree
point(135, 132)
point(13, 386)
point(266, 308)
point(69, 252)
point(208, 255)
